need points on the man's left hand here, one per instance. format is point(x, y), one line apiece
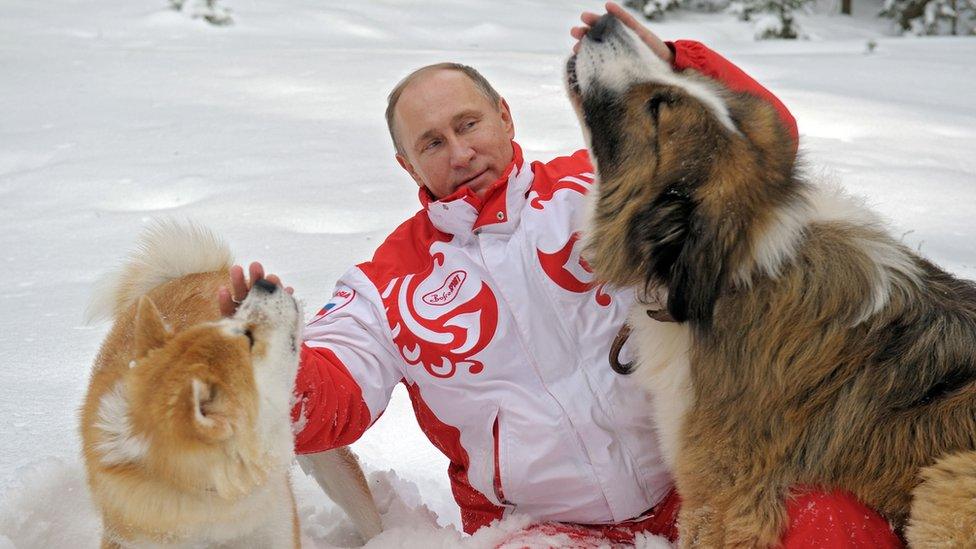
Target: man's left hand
point(656, 44)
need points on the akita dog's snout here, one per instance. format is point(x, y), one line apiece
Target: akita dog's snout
point(271, 309)
point(264, 285)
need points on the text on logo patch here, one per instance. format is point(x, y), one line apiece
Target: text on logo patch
point(448, 290)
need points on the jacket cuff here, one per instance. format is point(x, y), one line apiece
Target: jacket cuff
point(329, 410)
point(688, 54)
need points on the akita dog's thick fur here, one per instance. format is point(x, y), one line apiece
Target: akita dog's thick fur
point(808, 348)
point(186, 427)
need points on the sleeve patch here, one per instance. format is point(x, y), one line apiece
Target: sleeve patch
point(341, 298)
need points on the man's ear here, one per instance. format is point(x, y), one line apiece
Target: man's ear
point(408, 167)
point(506, 113)
point(151, 331)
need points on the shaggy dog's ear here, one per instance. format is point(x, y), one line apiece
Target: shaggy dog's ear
point(698, 273)
point(684, 252)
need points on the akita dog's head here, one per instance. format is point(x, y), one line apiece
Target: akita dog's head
point(207, 408)
point(688, 171)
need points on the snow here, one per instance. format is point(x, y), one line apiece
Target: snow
point(270, 131)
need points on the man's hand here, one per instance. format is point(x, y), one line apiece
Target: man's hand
point(656, 44)
point(230, 298)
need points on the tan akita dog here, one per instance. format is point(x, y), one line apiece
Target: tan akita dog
point(186, 428)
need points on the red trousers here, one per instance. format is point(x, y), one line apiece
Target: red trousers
point(818, 520)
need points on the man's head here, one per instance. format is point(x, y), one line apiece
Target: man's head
point(450, 129)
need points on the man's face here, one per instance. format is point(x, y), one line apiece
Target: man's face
point(451, 134)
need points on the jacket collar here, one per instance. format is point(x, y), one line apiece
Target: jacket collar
point(464, 214)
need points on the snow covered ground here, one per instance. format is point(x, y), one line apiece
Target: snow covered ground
point(271, 132)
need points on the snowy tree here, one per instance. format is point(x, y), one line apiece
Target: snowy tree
point(705, 5)
point(652, 9)
point(772, 18)
point(932, 16)
point(655, 9)
point(208, 10)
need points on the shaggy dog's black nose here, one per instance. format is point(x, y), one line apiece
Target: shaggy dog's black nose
point(265, 285)
point(602, 26)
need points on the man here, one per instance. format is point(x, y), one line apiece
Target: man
point(481, 305)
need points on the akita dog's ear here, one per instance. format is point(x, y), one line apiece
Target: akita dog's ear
point(211, 419)
point(151, 331)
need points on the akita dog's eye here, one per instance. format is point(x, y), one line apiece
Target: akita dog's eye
point(250, 337)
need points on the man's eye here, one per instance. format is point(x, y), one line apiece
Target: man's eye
point(469, 124)
point(431, 145)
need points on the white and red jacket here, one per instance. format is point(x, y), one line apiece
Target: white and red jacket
point(484, 309)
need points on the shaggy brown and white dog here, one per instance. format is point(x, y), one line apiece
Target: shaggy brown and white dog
point(186, 428)
point(807, 346)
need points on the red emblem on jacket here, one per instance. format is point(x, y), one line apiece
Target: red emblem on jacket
point(443, 327)
point(577, 183)
point(569, 270)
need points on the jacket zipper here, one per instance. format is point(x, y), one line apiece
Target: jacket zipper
point(497, 480)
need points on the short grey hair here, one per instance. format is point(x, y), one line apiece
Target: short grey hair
point(480, 83)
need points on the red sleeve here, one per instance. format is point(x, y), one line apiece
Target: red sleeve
point(835, 520)
point(329, 402)
point(689, 54)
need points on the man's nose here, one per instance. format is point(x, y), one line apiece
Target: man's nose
point(461, 153)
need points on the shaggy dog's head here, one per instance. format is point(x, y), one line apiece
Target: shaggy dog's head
point(688, 171)
point(207, 408)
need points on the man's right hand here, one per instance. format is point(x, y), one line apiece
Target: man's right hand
point(229, 298)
